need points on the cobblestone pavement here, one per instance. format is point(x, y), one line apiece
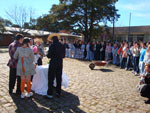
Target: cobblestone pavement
point(103, 90)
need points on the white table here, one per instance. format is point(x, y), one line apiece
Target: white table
point(40, 80)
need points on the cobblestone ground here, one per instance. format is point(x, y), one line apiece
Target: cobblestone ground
point(103, 90)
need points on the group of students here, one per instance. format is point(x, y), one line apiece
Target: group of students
point(82, 50)
point(128, 55)
point(24, 56)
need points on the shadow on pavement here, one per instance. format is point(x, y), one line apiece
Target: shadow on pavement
point(26, 105)
point(67, 103)
point(104, 70)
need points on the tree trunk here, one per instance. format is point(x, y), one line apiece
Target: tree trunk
point(86, 22)
point(91, 25)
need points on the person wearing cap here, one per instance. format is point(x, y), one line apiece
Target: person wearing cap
point(56, 53)
point(12, 63)
point(25, 67)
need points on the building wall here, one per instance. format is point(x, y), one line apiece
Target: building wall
point(146, 37)
point(5, 40)
point(133, 37)
point(121, 37)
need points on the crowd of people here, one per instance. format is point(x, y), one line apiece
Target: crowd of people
point(133, 56)
point(24, 56)
point(124, 54)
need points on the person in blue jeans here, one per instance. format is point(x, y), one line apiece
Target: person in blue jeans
point(129, 59)
point(141, 60)
point(136, 54)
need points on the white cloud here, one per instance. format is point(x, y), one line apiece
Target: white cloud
point(140, 10)
point(137, 6)
point(144, 15)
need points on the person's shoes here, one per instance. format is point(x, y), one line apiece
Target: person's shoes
point(133, 72)
point(147, 101)
point(29, 94)
point(22, 95)
point(58, 95)
point(136, 74)
point(18, 92)
point(126, 69)
point(49, 96)
point(10, 91)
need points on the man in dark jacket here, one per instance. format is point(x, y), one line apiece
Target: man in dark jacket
point(56, 53)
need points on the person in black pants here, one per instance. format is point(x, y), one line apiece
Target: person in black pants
point(56, 53)
point(12, 63)
point(97, 54)
point(102, 51)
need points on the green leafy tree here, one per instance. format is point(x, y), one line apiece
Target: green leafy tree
point(84, 15)
point(50, 23)
point(3, 23)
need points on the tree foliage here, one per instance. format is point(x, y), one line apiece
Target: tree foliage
point(85, 15)
point(82, 16)
point(3, 23)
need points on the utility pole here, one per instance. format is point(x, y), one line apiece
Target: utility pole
point(113, 36)
point(129, 27)
point(113, 28)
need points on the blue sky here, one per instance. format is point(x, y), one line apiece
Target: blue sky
point(40, 6)
point(139, 9)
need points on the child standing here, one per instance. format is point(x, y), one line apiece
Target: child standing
point(36, 55)
point(25, 67)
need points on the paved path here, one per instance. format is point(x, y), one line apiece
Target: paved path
point(103, 90)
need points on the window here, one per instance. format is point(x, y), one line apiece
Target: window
point(130, 38)
point(1, 38)
point(140, 37)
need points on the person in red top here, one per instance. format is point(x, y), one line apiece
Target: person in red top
point(12, 63)
point(120, 52)
point(124, 56)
